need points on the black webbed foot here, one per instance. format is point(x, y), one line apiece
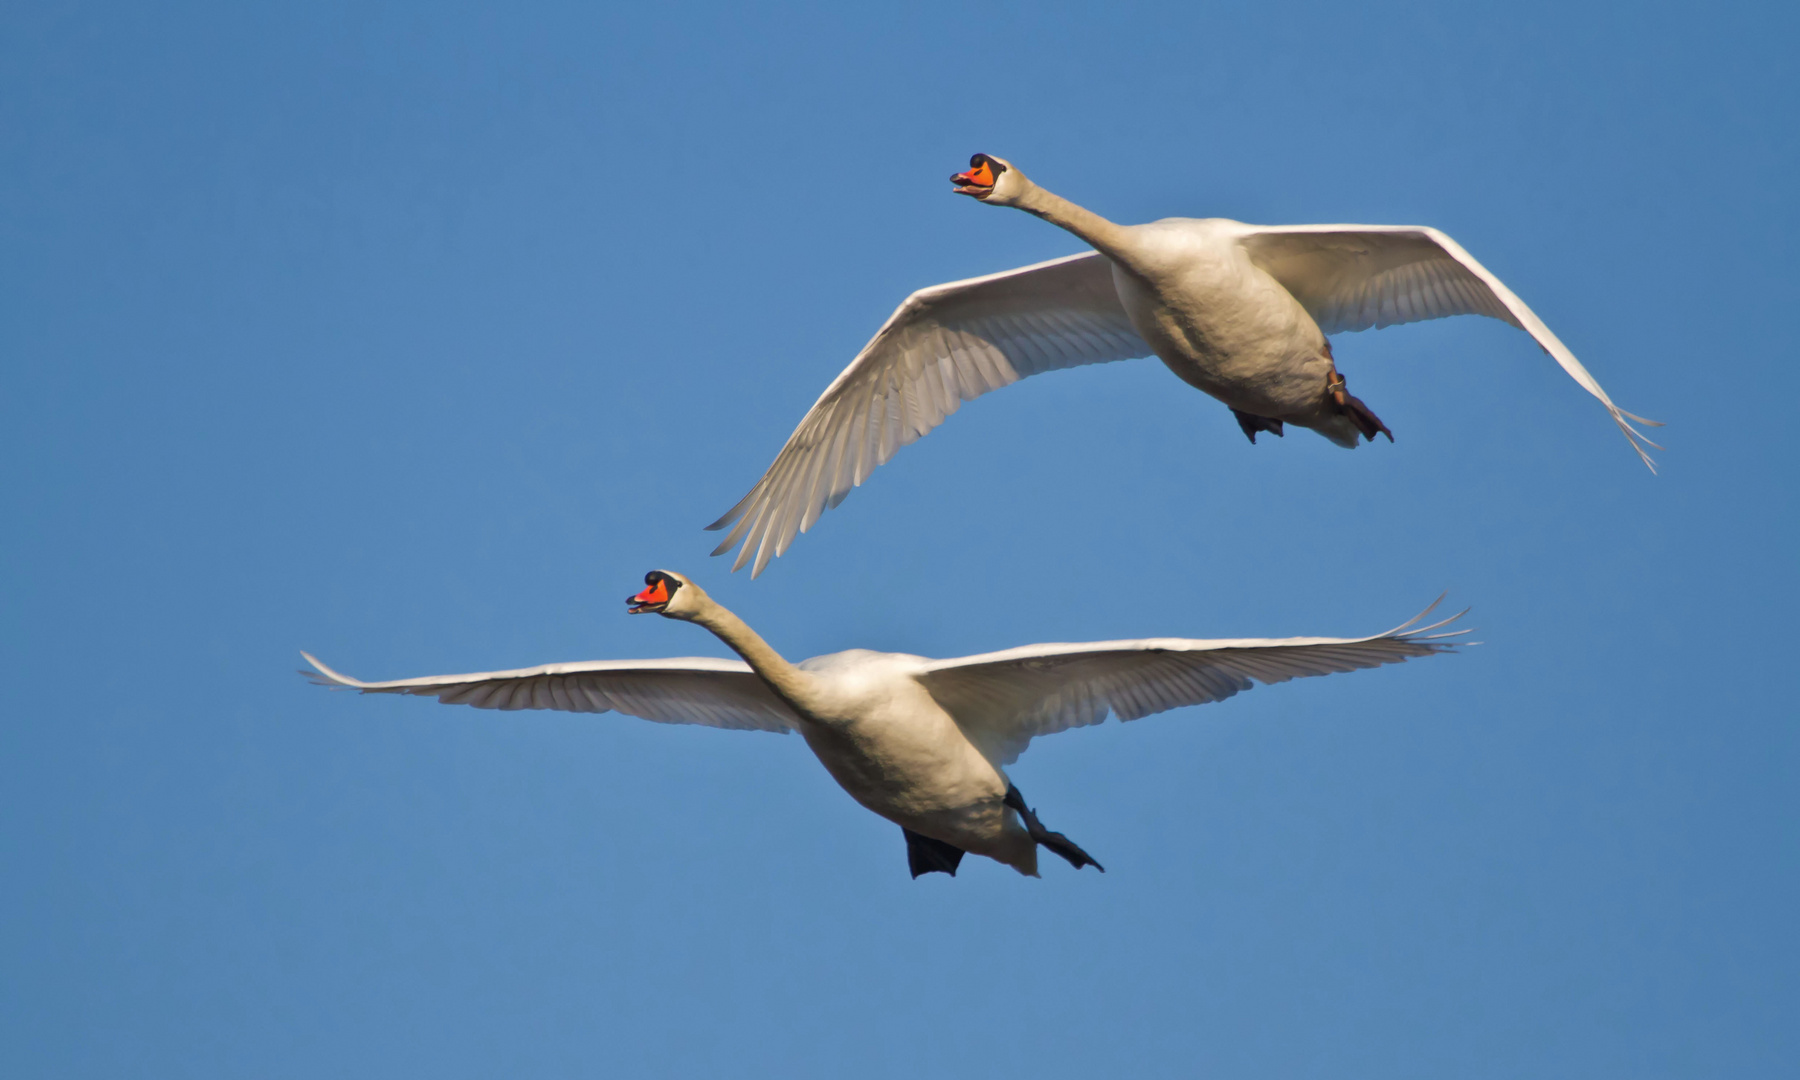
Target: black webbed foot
point(1251, 424)
point(927, 856)
point(1055, 841)
point(1351, 405)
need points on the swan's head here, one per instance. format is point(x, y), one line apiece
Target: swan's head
point(991, 180)
point(666, 593)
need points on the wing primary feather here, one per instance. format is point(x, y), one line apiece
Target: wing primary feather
point(769, 514)
point(1007, 700)
point(1000, 369)
point(1352, 277)
point(944, 345)
point(807, 499)
point(835, 483)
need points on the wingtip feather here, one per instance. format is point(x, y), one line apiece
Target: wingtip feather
point(737, 511)
point(324, 676)
point(1636, 437)
point(1429, 608)
point(1410, 631)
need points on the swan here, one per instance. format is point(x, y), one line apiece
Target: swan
point(920, 742)
point(1239, 311)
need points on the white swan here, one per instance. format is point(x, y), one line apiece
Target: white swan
point(1239, 311)
point(920, 742)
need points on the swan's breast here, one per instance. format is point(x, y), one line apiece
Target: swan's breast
point(888, 742)
point(1215, 318)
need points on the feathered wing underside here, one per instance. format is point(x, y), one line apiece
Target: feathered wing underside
point(1353, 277)
point(685, 690)
point(1004, 700)
point(945, 345)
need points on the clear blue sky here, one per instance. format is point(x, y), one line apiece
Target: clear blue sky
point(414, 336)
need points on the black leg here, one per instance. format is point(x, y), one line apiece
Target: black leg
point(1055, 841)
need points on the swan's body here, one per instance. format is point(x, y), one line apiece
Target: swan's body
point(1222, 324)
point(1239, 311)
point(888, 743)
point(920, 742)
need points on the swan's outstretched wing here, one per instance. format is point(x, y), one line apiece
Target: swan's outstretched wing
point(1003, 700)
point(684, 690)
point(1352, 277)
point(945, 345)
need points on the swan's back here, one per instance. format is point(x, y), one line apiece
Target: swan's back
point(862, 660)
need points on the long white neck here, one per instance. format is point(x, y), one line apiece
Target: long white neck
point(789, 682)
point(1104, 236)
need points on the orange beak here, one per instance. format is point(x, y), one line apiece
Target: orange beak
point(644, 601)
point(981, 176)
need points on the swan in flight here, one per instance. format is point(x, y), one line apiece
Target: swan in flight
point(1239, 311)
point(920, 742)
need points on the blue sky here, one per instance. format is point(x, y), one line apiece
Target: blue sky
point(413, 336)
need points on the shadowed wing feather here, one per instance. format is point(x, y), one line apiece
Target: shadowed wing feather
point(1353, 277)
point(684, 690)
point(1003, 700)
point(945, 345)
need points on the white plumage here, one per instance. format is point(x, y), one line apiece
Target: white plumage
point(680, 690)
point(921, 742)
point(1239, 311)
